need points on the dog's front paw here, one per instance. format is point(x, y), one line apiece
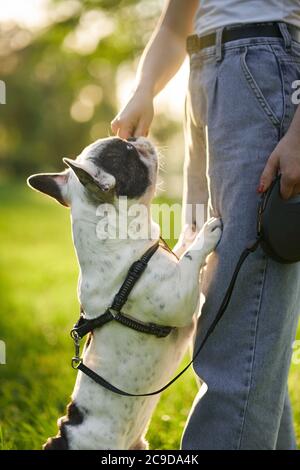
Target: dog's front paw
point(212, 231)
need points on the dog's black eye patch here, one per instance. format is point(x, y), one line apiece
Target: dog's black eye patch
point(121, 159)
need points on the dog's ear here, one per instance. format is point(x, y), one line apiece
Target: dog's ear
point(52, 184)
point(92, 180)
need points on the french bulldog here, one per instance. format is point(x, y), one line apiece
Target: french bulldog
point(106, 172)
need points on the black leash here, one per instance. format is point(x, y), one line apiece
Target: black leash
point(83, 326)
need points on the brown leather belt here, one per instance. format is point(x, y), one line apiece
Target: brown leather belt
point(196, 43)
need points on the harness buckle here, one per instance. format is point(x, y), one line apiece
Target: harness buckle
point(76, 360)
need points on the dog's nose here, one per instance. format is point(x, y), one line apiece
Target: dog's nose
point(131, 139)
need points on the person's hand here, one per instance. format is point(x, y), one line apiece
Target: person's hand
point(135, 118)
point(286, 160)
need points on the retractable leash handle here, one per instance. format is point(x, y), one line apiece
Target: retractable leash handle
point(279, 225)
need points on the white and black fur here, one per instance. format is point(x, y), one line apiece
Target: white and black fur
point(167, 294)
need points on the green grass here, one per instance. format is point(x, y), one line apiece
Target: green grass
point(38, 305)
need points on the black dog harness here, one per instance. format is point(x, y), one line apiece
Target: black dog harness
point(113, 313)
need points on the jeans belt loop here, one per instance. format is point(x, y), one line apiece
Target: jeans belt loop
point(219, 34)
point(286, 35)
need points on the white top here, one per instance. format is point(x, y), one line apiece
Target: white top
point(213, 14)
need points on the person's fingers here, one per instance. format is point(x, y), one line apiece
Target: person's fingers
point(288, 185)
point(296, 190)
point(115, 125)
point(135, 118)
point(121, 128)
point(125, 132)
point(142, 129)
point(269, 172)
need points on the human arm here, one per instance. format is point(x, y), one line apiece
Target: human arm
point(160, 61)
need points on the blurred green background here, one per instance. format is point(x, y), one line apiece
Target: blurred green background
point(68, 67)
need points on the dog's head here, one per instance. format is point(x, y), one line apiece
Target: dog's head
point(104, 171)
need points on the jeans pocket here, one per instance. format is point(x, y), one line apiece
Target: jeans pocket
point(296, 50)
point(262, 72)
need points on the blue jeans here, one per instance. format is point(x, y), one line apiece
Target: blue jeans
point(238, 107)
